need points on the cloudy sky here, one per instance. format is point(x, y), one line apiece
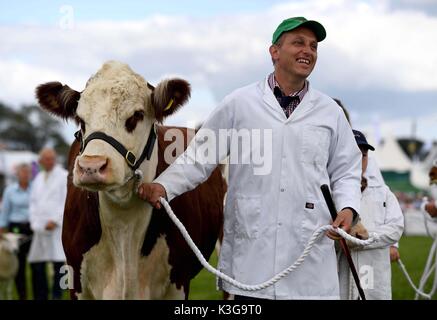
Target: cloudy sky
point(379, 57)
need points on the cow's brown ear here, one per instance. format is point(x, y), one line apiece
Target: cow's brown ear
point(169, 96)
point(58, 99)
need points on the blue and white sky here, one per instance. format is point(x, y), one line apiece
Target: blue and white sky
point(379, 57)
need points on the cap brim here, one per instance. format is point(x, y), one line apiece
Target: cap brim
point(316, 27)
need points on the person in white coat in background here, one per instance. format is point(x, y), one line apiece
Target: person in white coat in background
point(293, 140)
point(46, 209)
point(374, 178)
point(380, 213)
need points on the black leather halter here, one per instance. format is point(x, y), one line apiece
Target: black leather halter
point(130, 158)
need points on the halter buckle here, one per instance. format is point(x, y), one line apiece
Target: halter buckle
point(130, 158)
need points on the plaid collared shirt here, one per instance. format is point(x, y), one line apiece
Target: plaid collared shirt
point(288, 103)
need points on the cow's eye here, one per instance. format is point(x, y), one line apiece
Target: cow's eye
point(131, 122)
point(81, 123)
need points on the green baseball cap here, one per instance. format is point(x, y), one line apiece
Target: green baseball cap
point(295, 22)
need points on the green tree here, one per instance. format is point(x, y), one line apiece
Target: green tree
point(31, 128)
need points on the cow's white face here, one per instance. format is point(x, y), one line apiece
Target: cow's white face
point(116, 102)
point(122, 105)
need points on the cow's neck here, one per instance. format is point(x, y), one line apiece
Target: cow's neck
point(123, 231)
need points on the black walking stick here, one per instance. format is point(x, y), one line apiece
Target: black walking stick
point(343, 244)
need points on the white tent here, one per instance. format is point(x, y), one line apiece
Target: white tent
point(419, 170)
point(390, 156)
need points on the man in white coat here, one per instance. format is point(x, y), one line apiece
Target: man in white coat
point(46, 210)
point(380, 213)
point(294, 139)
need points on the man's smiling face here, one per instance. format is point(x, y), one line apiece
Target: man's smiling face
point(296, 52)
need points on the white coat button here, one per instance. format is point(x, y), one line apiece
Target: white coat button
point(282, 189)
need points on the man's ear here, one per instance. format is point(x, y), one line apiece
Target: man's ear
point(169, 96)
point(58, 99)
point(273, 52)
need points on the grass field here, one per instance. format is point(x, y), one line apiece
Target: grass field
point(414, 252)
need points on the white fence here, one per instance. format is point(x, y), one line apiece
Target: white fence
point(415, 223)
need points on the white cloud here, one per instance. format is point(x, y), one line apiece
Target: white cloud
point(19, 80)
point(389, 49)
point(422, 127)
point(392, 50)
point(368, 47)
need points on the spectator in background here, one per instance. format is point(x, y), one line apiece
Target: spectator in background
point(47, 201)
point(346, 113)
point(14, 217)
point(430, 206)
point(373, 178)
point(380, 213)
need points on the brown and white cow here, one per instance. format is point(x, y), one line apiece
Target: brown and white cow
point(119, 246)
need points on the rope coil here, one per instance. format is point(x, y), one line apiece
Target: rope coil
point(316, 236)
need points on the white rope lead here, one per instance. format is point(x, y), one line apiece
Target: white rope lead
point(430, 268)
point(316, 235)
point(431, 262)
point(417, 290)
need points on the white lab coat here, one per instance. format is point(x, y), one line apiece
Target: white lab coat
point(380, 213)
point(47, 200)
point(266, 223)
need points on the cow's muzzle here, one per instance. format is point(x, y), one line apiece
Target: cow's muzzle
point(92, 170)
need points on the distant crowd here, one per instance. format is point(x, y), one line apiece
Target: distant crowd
point(33, 210)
